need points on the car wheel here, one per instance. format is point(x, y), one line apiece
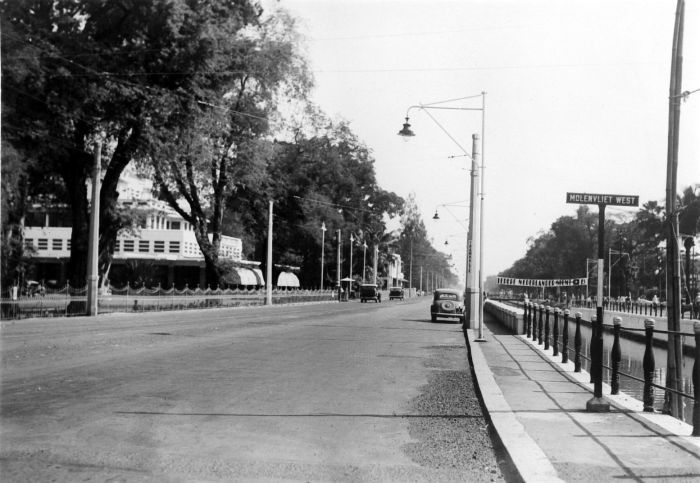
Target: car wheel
point(433, 318)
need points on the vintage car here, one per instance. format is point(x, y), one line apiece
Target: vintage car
point(448, 303)
point(396, 293)
point(370, 291)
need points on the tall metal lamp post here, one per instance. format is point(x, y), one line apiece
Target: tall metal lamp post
point(406, 132)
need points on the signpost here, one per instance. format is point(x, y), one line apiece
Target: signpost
point(597, 403)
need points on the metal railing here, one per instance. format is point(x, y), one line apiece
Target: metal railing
point(536, 325)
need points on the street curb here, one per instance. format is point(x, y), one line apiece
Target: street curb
point(528, 458)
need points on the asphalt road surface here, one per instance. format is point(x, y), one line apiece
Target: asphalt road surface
point(323, 392)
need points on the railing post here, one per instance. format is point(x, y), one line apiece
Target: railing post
point(525, 317)
point(540, 326)
point(577, 344)
point(591, 345)
point(555, 333)
point(648, 365)
point(696, 382)
point(528, 322)
point(546, 328)
point(565, 338)
point(615, 357)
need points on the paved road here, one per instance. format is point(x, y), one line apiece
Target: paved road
point(327, 392)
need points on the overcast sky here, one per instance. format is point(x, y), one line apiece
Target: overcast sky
point(577, 100)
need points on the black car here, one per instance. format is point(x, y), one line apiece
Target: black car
point(396, 293)
point(370, 291)
point(448, 303)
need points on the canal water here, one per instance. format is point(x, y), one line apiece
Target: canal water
point(631, 363)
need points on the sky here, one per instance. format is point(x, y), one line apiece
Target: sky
point(576, 101)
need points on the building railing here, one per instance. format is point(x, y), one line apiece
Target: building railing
point(69, 301)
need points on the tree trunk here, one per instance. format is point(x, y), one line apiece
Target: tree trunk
point(77, 265)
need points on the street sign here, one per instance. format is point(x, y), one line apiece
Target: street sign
point(601, 199)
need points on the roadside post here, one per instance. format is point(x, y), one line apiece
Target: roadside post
point(597, 403)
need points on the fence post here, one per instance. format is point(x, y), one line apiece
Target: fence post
point(555, 333)
point(577, 343)
point(615, 357)
point(565, 338)
point(546, 328)
point(533, 321)
point(648, 364)
point(540, 326)
point(696, 382)
point(529, 320)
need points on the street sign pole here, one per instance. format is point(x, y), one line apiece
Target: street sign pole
point(597, 403)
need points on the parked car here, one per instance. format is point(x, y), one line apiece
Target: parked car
point(396, 293)
point(370, 291)
point(447, 303)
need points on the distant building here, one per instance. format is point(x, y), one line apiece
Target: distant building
point(394, 273)
point(164, 245)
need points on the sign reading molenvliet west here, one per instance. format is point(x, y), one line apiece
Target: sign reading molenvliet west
point(599, 199)
point(535, 282)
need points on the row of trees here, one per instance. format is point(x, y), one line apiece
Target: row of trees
point(637, 244)
point(207, 98)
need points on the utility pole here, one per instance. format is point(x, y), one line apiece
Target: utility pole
point(472, 244)
point(323, 246)
point(338, 275)
point(410, 270)
point(268, 297)
point(673, 403)
point(94, 240)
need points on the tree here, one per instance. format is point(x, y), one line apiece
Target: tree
point(327, 177)
point(207, 147)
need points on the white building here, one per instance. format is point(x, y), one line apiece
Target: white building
point(164, 241)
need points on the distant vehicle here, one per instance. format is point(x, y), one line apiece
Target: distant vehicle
point(396, 293)
point(370, 291)
point(447, 303)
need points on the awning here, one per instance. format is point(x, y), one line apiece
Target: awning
point(248, 276)
point(287, 279)
point(259, 275)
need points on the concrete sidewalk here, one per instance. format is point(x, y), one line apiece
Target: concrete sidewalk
point(538, 407)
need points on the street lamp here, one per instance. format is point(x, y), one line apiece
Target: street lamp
point(323, 245)
point(406, 132)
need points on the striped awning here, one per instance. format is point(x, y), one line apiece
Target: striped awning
point(249, 276)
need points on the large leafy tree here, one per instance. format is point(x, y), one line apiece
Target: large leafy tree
point(67, 88)
point(147, 77)
point(207, 147)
